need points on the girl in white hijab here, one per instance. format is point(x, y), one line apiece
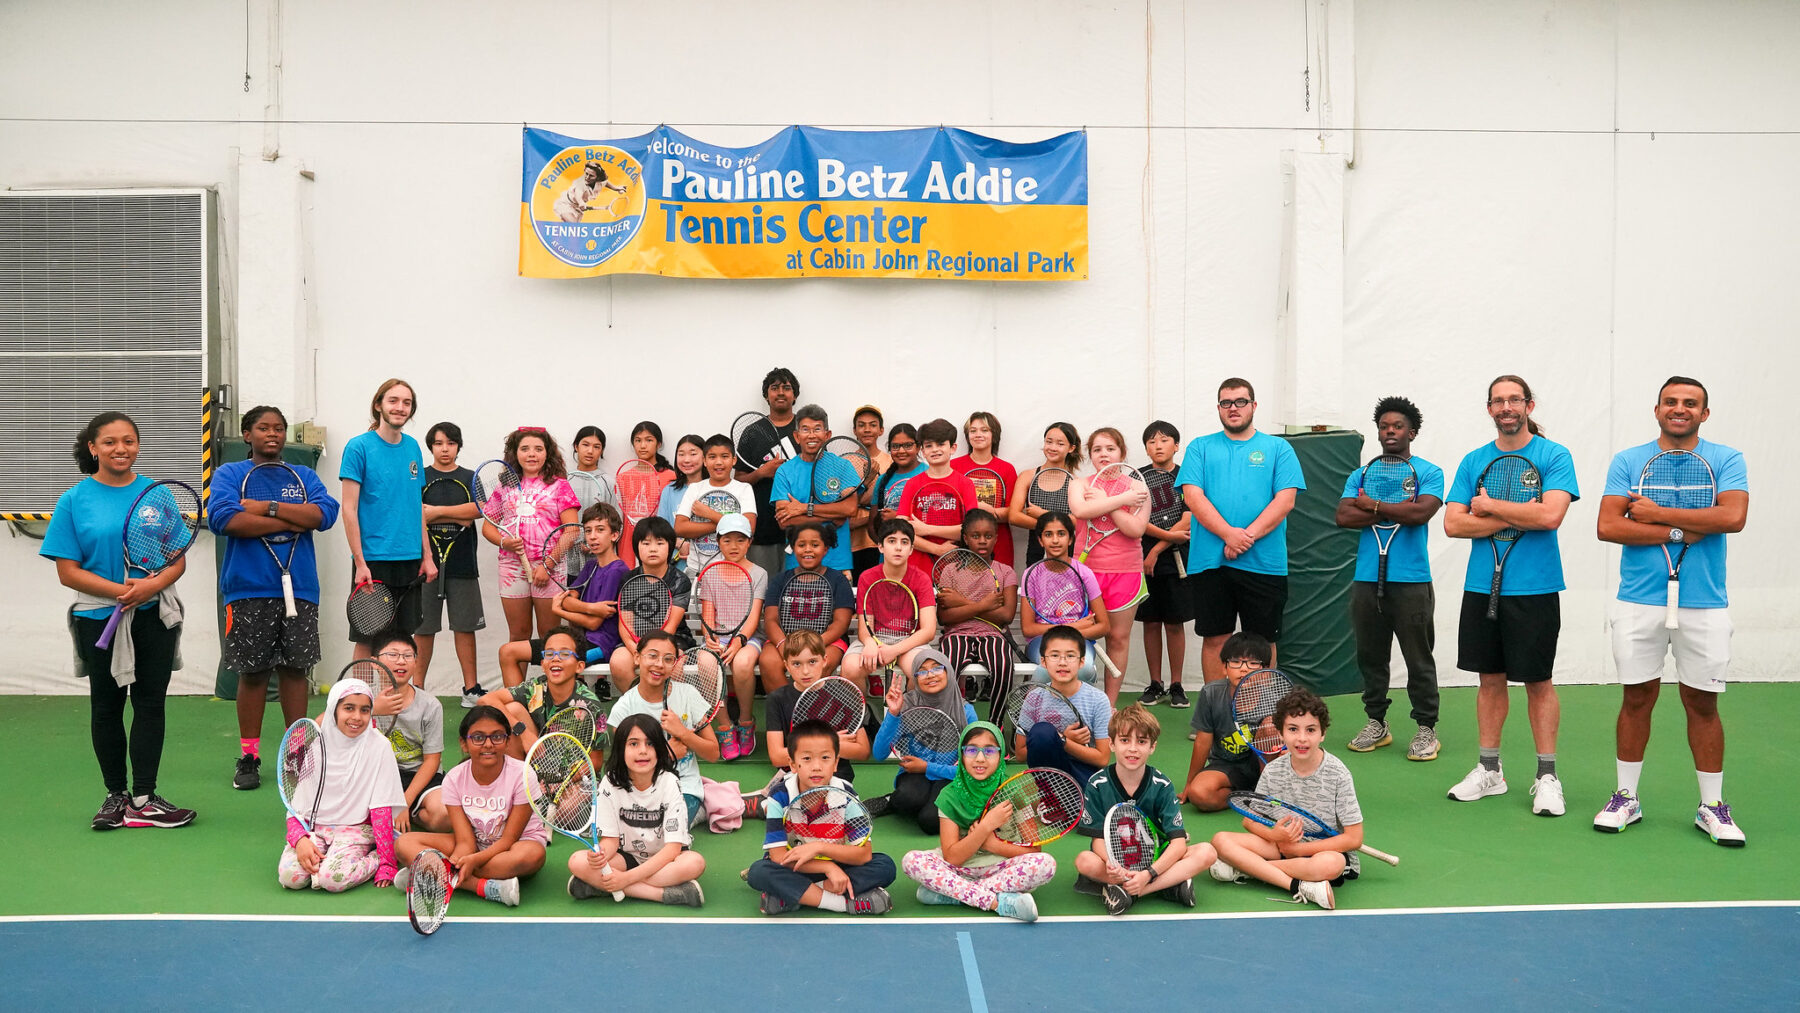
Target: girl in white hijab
point(353, 833)
point(918, 782)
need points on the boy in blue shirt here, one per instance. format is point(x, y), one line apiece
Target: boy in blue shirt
point(1406, 609)
point(1519, 645)
point(1653, 537)
point(851, 878)
point(1239, 485)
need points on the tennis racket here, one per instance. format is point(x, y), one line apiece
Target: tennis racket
point(892, 615)
point(499, 491)
point(1253, 708)
point(300, 773)
point(938, 502)
point(644, 604)
point(990, 487)
point(278, 483)
point(1040, 704)
point(826, 815)
point(727, 596)
point(893, 494)
point(1113, 480)
point(704, 672)
point(433, 880)
point(1050, 489)
point(379, 678)
point(370, 609)
point(564, 557)
point(1678, 480)
point(1058, 597)
point(161, 526)
point(805, 603)
point(756, 439)
point(1511, 478)
point(576, 720)
point(928, 734)
point(834, 700)
point(1166, 507)
point(590, 487)
point(444, 492)
point(854, 454)
point(721, 502)
point(1046, 804)
point(1130, 838)
point(834, 477)
point(1387, 479)
point(563, 789)
point(1270, 811)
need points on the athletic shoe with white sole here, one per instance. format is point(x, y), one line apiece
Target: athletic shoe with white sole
point(770, 904)
point(686, 894)
point(1424, 744)
point(1622, 810)
point(1178, 697)
point(1117, 900)
point(926, 895)
point(248, 775)
point(871, 902)
point(1181, 893)
point(1017, 906)
point(505, 891)
point(1226, 873)
point(112, 811)
point(1307, 891)
point(1547, 796)
point(1480, 783)
point(1153, 694)
point(1716, 821)
point(158, 812)
point(1374, 735)
point(472, 696)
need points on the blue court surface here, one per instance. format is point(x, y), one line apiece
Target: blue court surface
point(1693, 956)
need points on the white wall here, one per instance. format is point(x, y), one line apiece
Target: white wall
point(1494, 223)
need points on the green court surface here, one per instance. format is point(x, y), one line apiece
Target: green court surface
point(1492, 852)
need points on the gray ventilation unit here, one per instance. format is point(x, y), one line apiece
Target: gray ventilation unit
point(106, 303)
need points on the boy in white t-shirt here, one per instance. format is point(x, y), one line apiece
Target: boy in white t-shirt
point(704, 504)
point(676, 705)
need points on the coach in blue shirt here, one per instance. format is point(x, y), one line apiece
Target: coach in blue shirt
point(1240, 485)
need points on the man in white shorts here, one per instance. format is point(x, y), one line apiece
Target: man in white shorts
point(1702, 640)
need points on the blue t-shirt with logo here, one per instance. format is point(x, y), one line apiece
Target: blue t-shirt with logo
point(89, 528)
point(1408, 558)
point(248, 571)
point(1644, 569)
point(387, 507)
point(794, 480)
point(1240, 478)
point(1535, 563)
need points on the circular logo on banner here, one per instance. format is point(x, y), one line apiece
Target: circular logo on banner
point(588, 203)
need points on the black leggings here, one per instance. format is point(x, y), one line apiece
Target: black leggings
point(155, 645)
point(916, 795)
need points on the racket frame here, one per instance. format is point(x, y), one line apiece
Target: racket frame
point(190, 521)
point(723, 568)
point(382, 681)
point(1244, 802)
point(840, 692)
point(1243, 719)
point(370, 590)
point(291, 539)
point(1533, 483)
point(1041, 781)
point(1119, 816)
point(432, 920)
point(445, 535)
point(1385, 532)
point(284, 788)
point(1672, 604)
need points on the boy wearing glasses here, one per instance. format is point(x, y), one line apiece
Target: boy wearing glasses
point(417, 737)
point(1239, 484)
point(1222, 761)
point(531, 704)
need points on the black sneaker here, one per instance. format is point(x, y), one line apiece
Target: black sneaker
point(1177, 696)
point(472, 696)
point(1086, 886)
point(112, 811)
point(879, 806)
point(1181, 893)
point(1153, 695)
point(157, 812)
point(1117, 900)
point(249, 773)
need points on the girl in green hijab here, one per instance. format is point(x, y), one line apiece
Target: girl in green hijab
point(971, 866)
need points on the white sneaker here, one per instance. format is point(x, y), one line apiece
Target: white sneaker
point(1224, 872)
point(1622, 810)
point(506, 891)
point(1480, 783)
point(1311, 892)
point(1716, 821)
point(1547, 796)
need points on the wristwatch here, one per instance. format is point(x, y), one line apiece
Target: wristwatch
point(518, 728)
point(1675, 535)
point(809, 509)
point(272, 506)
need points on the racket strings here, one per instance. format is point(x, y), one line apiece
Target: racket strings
point(833, 700)
point(927, 733)
point(1512, 479)
point(730, 591)
point(704, 672)
point(1050, 490)
point(162, 527)
point(805, 604)
point(1056, 595)
point(891, 609)
point(497, 489)
point(1129, 842)
point(1390, 480)
point(1046, 804)
point(566, 783)
point(371, 609)
point(1679, 481)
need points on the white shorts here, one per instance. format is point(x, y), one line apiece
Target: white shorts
point(1640, 643)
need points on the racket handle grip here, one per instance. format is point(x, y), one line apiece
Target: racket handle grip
point(1670, 614)
point(112, 626)
point(1379, 855)
point(1108, 662)
point(287, 594)
point(1493, 611)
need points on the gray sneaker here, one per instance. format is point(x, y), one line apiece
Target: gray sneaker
point(683, 895)
point(1424, 744)
point(1374, 735)
point(871, 902)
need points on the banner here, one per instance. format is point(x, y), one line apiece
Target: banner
point(806, 203)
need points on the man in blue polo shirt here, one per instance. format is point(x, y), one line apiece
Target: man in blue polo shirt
point(1519, 643)
point(1654, 538)
point(1405, 606)
point(1240, 485)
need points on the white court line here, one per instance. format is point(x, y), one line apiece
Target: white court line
point(1293, 912)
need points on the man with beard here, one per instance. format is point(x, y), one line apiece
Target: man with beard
point(1240, 485)
point(1519, 644)
point(382, 475)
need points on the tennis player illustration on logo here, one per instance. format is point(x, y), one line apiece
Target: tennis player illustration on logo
point(587, 203)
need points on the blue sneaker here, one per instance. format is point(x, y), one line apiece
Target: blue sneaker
point(1018, 906)
point(926, 895)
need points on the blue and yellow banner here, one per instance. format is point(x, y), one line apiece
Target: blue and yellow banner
point(806, 203)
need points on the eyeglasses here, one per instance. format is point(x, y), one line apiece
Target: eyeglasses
point(903, 446)
point(397, 655)
point(497, 738)
point(1243, 663)
point(559, 655)
point(1507, 402)
point(1242, 402)
point(981, 752)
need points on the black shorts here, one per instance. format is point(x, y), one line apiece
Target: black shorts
point(1171, 600)
point(406, 777)
point(1224, 595)
point(1520, 642)
point(1243, 773)
point(402, 578)
point(260, 635)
